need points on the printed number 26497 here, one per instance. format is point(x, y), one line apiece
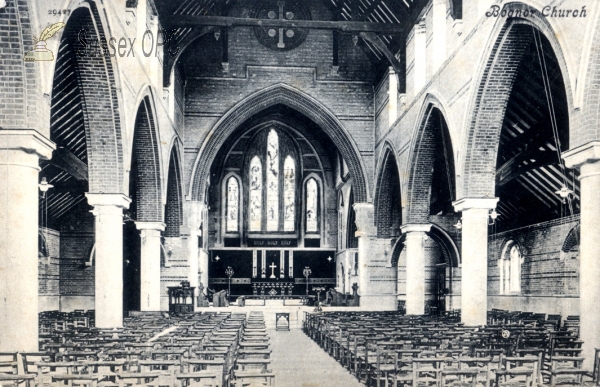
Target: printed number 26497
point(59, 12)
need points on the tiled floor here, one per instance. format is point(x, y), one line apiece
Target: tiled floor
point(297, 361)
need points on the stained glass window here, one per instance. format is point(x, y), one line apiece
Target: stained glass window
point(289, 188)
point(311, 206)
point(232, 204)
point(255, 194)
point(272, 181)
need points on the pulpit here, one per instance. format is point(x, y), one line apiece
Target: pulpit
point(220, 299)
point(181, 298)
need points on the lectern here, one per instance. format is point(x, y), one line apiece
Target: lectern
point(181, 298)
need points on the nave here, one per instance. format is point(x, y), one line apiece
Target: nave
point(256, 346)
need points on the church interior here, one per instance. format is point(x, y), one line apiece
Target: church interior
point(303, 192)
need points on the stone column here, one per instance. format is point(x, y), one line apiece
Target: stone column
point(415, 267)
point(193, 223)
point(475, 215)
point(150, 289)
point(587, 159)
point(108, 211)
point(372, 262)
point(365, 229)
point(20, 152)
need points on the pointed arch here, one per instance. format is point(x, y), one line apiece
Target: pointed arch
point(145, 170)
point(431, 153)
point(173, 217)
point(101, 116)
point(487, 107)
point(387, 201)
point(295, 99)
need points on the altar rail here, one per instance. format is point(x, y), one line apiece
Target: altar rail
point(303, 299)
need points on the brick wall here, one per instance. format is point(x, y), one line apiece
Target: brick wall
point(388, 211)
point(18, 79)
point(253, 67)
point(173, 208)
point(48, 267)
point(549, 279)
point(100, 105)
point(145, 171)
point(76, 242)
point(488, 115)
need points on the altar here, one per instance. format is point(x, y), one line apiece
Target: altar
point(271, 273)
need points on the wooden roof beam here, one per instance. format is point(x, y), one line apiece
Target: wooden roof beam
point(179, 21)
point(63, 158)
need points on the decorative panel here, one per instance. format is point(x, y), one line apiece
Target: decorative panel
point(281, 39)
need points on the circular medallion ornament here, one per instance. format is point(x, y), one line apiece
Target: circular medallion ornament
point(280, 38)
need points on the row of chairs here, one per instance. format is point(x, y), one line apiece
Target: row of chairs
point(388, 348)
point(553, 322)
point(200, 349)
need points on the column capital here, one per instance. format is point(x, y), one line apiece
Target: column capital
point(158, 226)
point(27, 140)
point(364, 219)
point(362, 206)
point(583, 154)
point(479, 203)
point(108, 199)
point(410, 228)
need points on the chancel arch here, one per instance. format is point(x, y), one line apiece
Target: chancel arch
point(275, 174)
point(296, 100)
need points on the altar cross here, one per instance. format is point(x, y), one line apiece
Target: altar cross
point(273, 266)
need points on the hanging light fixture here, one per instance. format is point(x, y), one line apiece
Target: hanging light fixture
point(355, 39)
point(564, 193)
point(217, 34)
point(44, 186)
point(493, 216)
point(329, 258)
point(458, 224)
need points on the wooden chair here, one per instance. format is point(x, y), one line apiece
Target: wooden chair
point(514, 378)
point(251, 379)
point(384, 370)
point(9, 371)
point(427, 371)
point(459, 378)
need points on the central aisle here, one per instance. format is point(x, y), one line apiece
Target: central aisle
point(297, 361)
